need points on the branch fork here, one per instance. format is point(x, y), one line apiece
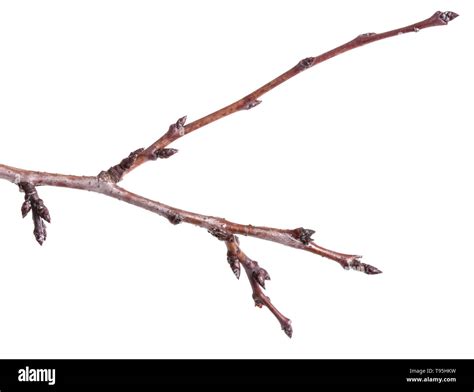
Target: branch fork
point(106, 182)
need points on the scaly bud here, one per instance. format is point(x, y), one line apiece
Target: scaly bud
point(25, 208)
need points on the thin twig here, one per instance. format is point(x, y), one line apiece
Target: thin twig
point(257, 277)
point(179, 129)
point(295, 238)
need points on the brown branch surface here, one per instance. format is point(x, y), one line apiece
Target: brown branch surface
point(257, 277)
point(295, 238)
point(106, 183)
point(179, 129)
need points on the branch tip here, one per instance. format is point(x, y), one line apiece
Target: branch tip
point(287, 328)
point(356, 265)
point(446, 16)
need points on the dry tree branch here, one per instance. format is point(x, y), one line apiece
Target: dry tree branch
point(106, 182)
point(251, 100)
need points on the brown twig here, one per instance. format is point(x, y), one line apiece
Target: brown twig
point(219, 227)
point(179, 129)
point(257, 277)
point(106, 183)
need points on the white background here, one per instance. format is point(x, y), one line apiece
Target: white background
point(373, 149)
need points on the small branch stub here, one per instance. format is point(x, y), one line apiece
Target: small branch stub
point(39, 211)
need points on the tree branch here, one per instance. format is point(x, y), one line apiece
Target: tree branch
point(257, 277)
point(298, 238)
point(106, 183)
point(179, 129)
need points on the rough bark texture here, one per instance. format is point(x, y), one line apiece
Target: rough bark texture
point(106, 183)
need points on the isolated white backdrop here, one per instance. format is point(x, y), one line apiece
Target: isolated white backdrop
point(373, 149)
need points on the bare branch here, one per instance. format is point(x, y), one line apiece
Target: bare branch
point(106, 183)
point(251, 100)
point(257, 277)
point(219, 227)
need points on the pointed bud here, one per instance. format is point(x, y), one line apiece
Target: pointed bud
point(261, 275)
point(181, 121)
point(39, 230)
point(25, 208)
point(221, 234)
point(236, 271)
point(306, 63)
point(43, 212)
point(371, 270)
point(286, 327)
point(362, 267)
point(234, 263)
point(252, 104)
point(304, 235)
point(164, 153)
point(447, 16)
point(178, 126)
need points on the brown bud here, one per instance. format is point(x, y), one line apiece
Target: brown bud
point(40, 229)
point(25, 208)
point(252, 104)
point(447, 16)
point(221, 234)
point(258, 302)
point(306, 63)
point(261, 275)
point(178, 126)
point(181, 121)
point(286, 327)
point(304, 235)
point(362, 267)
point(39, 211)
point(164, 153)
point(236, 270)
point(42, 211)
point(175, 219)
point(234, 264)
